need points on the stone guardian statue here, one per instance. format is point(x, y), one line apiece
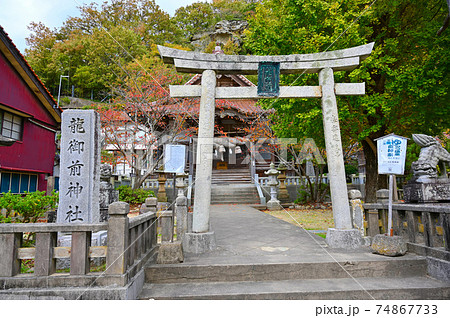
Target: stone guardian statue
point(431, 155)
point(426, 184)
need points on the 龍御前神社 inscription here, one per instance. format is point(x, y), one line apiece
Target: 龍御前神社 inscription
point(80, 167)
point(269, 79)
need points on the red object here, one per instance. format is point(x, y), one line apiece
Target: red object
point(23, 94)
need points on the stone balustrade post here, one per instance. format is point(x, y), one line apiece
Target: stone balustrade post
point(357, 210)
point(383, 196)
point(181, 209)
point(9, 245)
point(44, 263)
point(166, 218)
point(150, 205)
point(116, 258)
point(79, 256)
point(373, 223)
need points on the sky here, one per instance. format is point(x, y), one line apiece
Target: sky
point(16, 15)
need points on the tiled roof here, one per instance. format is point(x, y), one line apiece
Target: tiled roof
point(246, 107)
point(243, 106)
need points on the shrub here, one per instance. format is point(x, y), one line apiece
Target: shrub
point(4, 219)
point(29, 207)
point(134, 196)
point(304, 193)
point(9, 201)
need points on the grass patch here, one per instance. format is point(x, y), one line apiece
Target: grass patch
point(311, 219)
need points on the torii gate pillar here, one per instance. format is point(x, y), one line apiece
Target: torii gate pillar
point(333, 144)
point(343, 235)
point(202, 198)
point(202, 239)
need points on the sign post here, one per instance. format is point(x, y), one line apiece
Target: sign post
point(391, 151)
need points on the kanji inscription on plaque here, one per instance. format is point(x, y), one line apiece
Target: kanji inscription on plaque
point(269, 79)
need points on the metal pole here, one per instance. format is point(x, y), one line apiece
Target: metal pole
point(391, 191)
point(59, 89)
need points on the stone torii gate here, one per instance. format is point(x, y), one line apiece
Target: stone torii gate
point(268, 69)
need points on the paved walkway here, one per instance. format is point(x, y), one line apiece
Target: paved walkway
point(245, 235)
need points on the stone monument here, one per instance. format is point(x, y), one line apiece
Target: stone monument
point(426, 185)
point(79, 186)
point(80, 167)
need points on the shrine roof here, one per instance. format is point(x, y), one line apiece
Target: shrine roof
point(20, 64)
point(245, 107)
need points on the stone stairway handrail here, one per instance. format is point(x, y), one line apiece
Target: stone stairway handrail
point(262, 198)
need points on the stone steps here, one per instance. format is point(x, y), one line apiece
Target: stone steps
point(234, 195)
point(387, 279)
point(313, 289)
point(231, 176)
point(182, 273)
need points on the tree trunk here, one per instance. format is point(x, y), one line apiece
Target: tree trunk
point(371, 172)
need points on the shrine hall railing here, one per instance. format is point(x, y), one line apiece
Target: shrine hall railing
point(290, 180)
point(426, 227)
point(131, 242)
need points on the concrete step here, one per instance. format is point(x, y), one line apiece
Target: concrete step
point(401, 288)
point(184, 273)
point(242, 202)
point(233, 191)
point(232, 176)
point(234, 194)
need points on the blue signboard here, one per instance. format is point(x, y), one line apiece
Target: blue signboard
point(391, 151)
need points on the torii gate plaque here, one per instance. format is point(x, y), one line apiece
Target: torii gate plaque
point(325, 63)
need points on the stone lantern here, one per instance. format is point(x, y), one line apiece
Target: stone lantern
point(283, 193)
point(162, 196)
point(180, 183)
point(273, 203)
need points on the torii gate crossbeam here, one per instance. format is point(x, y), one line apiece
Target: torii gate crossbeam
point(324, 63)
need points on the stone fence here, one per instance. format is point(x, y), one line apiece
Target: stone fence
point(153, 184)
point(426, 227)
point(292, 180)
point(130, 244)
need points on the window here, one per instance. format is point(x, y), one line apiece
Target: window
point(11, 125)
point(18, 182)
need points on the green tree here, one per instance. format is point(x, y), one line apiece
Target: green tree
point(39, 54)
point(94, 48)
point(406, 74)
point(193, 19)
